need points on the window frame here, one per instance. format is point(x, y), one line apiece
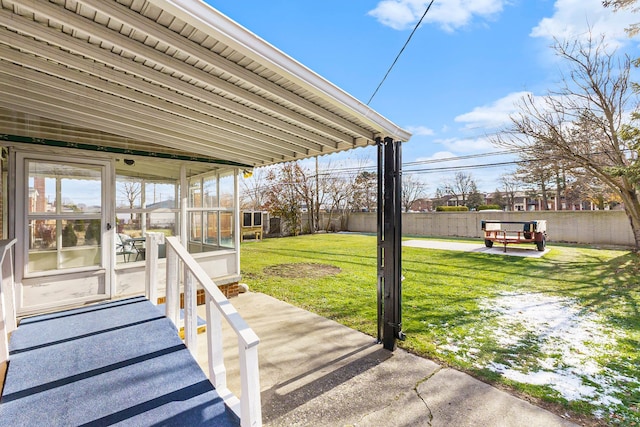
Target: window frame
point(204, 209)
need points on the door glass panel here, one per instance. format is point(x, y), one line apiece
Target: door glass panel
point(160, 195)
point(42, 192)
point(226, 230)
point(212, 228)
point(76, 252)
point(128, 192)
point(227, 194)
point(210, 187)
point(196, 227)
point(145, 204)
point(195, 194)
point(81, 193)
point(64, 216)
point(42, 234)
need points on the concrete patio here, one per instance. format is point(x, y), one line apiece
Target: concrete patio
point(528, 250)
point(316, 372)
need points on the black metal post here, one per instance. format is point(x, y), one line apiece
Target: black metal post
point(380, 216)
point(397, 283)
point(389, 241)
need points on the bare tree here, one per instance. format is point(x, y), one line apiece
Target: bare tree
point(583, 120)
point(365, 191)
point(347, 192)
point(303, 181)
point(282, 198)
point(536, 171)
point(253, 190)
point(333, 190)
point(412, 190)
point(460, 187)
point(339, 190)
point(510, 186)
point(131, 190)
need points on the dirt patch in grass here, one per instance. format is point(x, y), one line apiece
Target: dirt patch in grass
point(300, 270)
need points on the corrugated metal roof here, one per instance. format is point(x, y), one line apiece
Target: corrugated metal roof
point(174, 75)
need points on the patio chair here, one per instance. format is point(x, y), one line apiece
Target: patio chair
point(125, 247)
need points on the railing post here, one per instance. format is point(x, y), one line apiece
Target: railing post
point(7, 298)
point(172, 304)
point(250, 406)
point(151, 266)
point(217, 370)
point(190, 313)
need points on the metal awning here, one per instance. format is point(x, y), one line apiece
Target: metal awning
point(174, 77)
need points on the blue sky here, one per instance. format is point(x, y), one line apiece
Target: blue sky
point(458, 79)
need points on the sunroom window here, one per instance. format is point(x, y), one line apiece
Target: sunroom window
point(143, 205)
point(210, 211)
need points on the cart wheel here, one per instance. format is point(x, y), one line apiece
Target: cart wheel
point(541, 244)
point(488, 243)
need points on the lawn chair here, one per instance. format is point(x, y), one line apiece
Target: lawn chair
point(125, 247)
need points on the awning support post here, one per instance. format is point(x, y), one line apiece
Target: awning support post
point(389, 242)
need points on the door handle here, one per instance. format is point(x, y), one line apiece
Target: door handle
point(108, 226)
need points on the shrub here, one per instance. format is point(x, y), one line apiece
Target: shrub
point(486, 207)
point(69, 237)
point(452, 209)
point(93, 232)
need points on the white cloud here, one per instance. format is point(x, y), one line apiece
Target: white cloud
point(467, 145)
point(395, 14)
point(576, 18)
point(493, 115)
point(420, 130)
point(436, 156)
point(450, 14)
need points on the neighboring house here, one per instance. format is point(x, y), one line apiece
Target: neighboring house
point(161, 216)
point(522, 201)
point(105, 101)
point(454, 200)
point(422, 205)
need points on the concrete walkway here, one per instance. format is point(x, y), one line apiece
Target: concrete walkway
point(523, 250)
point(316, 372)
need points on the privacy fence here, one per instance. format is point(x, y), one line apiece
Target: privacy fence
point(585, 227)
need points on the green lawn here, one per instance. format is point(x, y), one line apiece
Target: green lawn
point(564, 328)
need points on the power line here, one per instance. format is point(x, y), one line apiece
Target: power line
point(466, 157)
point(357, 169)
point(477, 166)
point(431, 161)
point(400, 53)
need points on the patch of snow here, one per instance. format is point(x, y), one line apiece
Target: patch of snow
point(568, 339)
point(449, 348)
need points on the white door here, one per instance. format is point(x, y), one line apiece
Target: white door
point(62, 226)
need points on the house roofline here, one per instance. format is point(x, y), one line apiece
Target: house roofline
point(207, 19)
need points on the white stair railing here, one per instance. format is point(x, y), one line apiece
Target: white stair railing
point(248, 408)
point(7, 299)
